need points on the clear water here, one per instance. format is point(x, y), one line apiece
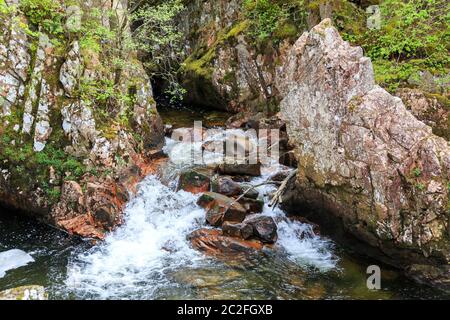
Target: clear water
point(149, 257)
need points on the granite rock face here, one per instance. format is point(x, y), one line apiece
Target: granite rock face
point(69, 119)
point(362, 155)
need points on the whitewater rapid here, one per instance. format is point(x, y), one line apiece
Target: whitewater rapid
point(139, 259)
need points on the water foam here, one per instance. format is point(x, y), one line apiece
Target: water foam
point(13, 259)
point(140, 252)
point(136, 260)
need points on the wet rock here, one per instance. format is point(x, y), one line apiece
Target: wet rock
point(279, 176)
point(250, 192)
point(288, 159)
point(103, 203)
point(31, 292)
point(221, 208)
point(168, 130)
point(212, 242)
point(194, 182)
point(226, 186)
point(81, 225)
point(427, 274)
point(238, 230)
point(236, 168)
point(204, 278)
point(264, 228)
point(252, 205)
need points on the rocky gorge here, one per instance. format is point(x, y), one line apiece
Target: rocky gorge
point(82, 138)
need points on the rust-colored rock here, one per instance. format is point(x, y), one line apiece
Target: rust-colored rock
point(212, 242)
point(83, 226)
point(194, 182)
point(221, 208)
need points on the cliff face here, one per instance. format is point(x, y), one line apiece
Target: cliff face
point(76, 111)
point(233, 48)
point(222, 70)
point(363, 156)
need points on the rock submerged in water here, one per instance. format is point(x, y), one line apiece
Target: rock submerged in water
point(31, 292)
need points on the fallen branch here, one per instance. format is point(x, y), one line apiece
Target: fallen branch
point(277, 197)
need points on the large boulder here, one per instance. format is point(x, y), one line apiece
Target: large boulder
point(362, 155)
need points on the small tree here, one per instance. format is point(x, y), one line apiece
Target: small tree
point(155, 33)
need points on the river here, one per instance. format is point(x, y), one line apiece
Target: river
point(149, 257)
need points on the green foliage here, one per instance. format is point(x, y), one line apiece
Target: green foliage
point(156, 34)
point(265, 15)
point(281, 19)
point(47, 15)
point(414, 35)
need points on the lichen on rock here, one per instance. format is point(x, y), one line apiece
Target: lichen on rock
point(362, 155)
point(68, 114)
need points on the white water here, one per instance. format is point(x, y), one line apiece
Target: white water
point(13, 259)
point(137, 260)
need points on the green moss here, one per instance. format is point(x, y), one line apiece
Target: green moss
point(237, 29)
point(286, 30)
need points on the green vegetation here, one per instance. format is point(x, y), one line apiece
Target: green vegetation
point(417, 172)
point(281, 19)
point(156, 35)
point(414, 36)
point(265, 16)
point(45, 15)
